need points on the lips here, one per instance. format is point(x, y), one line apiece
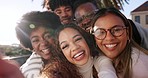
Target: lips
point(110, 47)
point(65, 19)
point(78, 56)
point(46, 50)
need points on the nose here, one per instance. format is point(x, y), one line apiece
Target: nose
point(44, 43)
point(63, 14)
point(109, 36)
point(75, 46)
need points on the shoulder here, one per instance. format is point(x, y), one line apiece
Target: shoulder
point(104, 67)
point(102, 61)
point(138, 55)
point(32, 67)
point(102, 58)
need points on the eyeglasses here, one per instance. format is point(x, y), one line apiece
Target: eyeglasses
point(116, 31)
point(86, 18)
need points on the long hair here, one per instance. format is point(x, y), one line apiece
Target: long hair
point(87, 36)
point(59, 67)
point(123, 61)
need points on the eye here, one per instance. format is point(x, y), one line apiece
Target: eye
point(68, 9)
point(34, 40)
point(117, 29)
point(64, 46)
point(78, 39)
point(99, 32)
point(47, 36)
point(58, 12)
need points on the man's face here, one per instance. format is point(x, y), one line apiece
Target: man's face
point(65, 13)
point(84, 14)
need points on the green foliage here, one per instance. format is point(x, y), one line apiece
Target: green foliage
point(111, 3)
point(17, 52)
point(11, 50)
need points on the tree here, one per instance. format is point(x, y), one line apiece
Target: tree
point(101, 3)
point(114, 3)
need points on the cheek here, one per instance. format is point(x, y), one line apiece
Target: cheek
point(124, 41)
point(35, 47)
point(67, 55)
point(70, 14)
point(52, 41)
point(98, 42)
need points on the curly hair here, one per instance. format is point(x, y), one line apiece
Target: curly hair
point(57, 3)
point(32, 20)
point(88, 37)
point(59, 67)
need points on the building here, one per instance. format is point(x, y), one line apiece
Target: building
point(140, 14)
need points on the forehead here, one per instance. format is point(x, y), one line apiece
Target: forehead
point(67, 33)
point(63, 7)
point(40, 30)
point(108, 20)
point(84, 9)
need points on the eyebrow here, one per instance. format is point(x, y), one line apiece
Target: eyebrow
point(33, 37)
point(76, 35)
point(43, 34)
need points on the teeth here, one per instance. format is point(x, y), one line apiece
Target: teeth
point(78, 54)
point(45, 50)
point(111, 45)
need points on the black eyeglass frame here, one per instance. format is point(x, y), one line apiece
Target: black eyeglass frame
point(91, 14)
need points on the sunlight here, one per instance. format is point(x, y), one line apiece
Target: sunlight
point(10, 13)
point(8, 23)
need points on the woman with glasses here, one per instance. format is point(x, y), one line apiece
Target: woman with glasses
point(112, 32)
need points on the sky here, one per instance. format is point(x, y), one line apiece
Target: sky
point(12, 10)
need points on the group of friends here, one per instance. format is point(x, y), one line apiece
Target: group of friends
point(77, 39)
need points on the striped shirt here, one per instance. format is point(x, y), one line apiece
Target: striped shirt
point(32, 67)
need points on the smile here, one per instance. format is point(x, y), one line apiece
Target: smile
point(46, 51)
point(78, 54)
point(110, 45)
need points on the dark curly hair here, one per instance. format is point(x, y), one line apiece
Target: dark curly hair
point(57, 3)
point(33, 20)
point(88, 37)
point(59, 67)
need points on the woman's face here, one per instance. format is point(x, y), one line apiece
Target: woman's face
point(42, 41)
point(74, 46)
point(111, 46)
